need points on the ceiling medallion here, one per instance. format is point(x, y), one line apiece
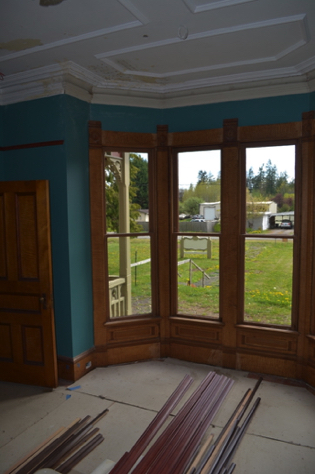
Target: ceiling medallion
point(182, 32)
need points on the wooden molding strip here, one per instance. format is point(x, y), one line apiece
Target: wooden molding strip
point(31, 145)
point(129, 459)
point(183, 426)
point(35, 451)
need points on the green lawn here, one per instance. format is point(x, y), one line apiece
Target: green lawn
point(268, 280)
point(198, 293)
point(141, 275)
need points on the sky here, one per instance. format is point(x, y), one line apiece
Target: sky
point(190, 163)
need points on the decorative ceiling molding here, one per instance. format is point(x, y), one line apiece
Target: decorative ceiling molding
point(206, 34)
point(306, 66)
point(73, 39)
point(213, 67)
point(212, 5)
point(135, 11)
point(122, 68)
point(70, 78)
point(157, 54)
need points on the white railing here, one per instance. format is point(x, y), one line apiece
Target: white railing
point(117, 304)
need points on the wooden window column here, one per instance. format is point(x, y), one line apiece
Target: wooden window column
point(230, 240)
point(163, 221)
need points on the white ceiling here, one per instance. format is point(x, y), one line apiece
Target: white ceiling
point(156, 53)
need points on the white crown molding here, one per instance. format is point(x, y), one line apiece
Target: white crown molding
point(48, 81)
point(127, 98)
point(32, 91)
point(268, 74)
point(235, 79)
point(205, 34)
point(206, 95)
point(69, 78)
point(77, 91)
point(194, 8)
point(250, 92)
point(75, 70)
point(306, 66)
point(213, 67)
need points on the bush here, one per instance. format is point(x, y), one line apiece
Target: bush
point(217, 227)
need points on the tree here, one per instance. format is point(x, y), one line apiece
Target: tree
point(208, 192)
point(282, 183)
point(259, 180)
point(202, 177)
point(140, 180)
point(192, 205)
point(112, 202)
point(250, 179)
point(278, 199)
point(270, 183)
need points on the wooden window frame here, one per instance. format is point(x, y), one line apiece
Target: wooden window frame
point(295, 238)
point(176, 233)
point(287, 352)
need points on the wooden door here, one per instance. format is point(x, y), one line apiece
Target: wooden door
point(27, 331)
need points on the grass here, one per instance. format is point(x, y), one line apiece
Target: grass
point(194, 298)
point(140, 275)
point(268, 280)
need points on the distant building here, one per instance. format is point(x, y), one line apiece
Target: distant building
point(257, 215)
point(263, 206)
point(210, 210)
point(143, 215)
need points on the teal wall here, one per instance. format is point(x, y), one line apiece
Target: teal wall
point(76, 142)
point(34, 121)
point(127, 119)
point(249, 112)
point(1, 140)
point(200, 117)
point(66, 167)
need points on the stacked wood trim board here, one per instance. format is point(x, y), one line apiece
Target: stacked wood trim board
point(171, 444)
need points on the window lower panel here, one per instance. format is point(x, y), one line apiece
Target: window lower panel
point(268, 281)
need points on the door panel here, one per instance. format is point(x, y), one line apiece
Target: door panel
point(27, 332)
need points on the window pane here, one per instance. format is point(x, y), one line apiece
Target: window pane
point(268, 280)
point(270, 199)
point(129, 267)
point(126, 192)
point(199, 191)
point(127, 211)
point(270, 180)
point(198, 276)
